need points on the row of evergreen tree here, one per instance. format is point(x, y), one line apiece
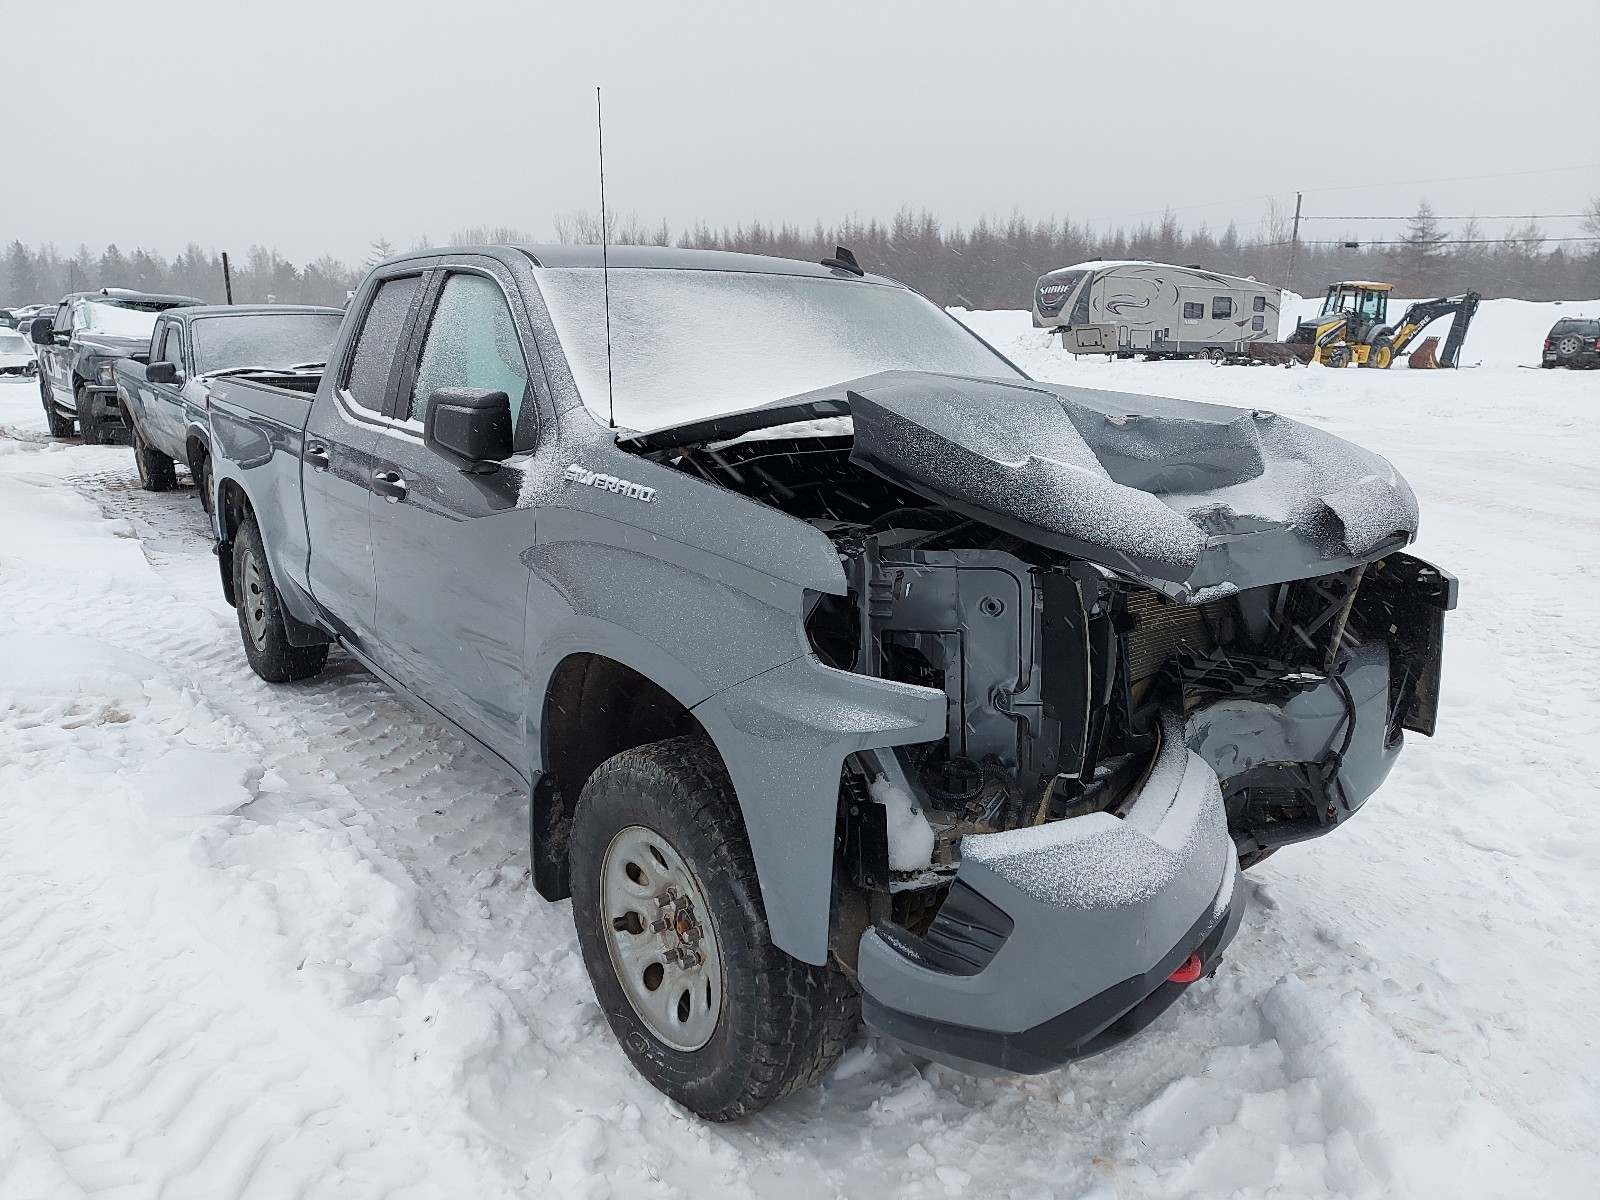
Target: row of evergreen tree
point(991, 264)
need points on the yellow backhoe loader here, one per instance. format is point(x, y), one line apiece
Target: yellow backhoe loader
point(1352, 328)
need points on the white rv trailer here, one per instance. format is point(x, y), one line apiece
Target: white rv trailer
point(1154, 309)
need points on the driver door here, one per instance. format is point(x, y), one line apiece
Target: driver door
point(452, 589)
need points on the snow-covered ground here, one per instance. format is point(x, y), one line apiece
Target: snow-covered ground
point(268, 941)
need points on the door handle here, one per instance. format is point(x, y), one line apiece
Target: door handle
point(391, 485)
point(317, 455)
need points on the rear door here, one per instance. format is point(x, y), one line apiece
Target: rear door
point(452, 589)
point(337, 471)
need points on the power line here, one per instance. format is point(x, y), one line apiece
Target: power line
point(1436, 242)
point(1469, 217)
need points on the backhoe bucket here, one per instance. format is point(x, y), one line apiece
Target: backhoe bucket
point(1423, 358)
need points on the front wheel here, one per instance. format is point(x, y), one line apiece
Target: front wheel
point(1338, 357)
point(202, 480)
point(261, 623)
point(60, 426)
point(674, 933)
point(156, 470)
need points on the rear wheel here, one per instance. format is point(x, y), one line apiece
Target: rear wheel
point(60, 426)
point(261, 620)
point(674, 933)
point(157, 472)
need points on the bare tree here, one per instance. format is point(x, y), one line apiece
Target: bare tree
point(491, 235)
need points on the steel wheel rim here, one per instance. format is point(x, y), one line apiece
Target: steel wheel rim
point(663, 949)
point(254, 601)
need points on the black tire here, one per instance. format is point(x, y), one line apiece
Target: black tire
point(88, 423)
point(1336, 358)
point(261, 623)
point(157, 472)
point(1251, 857)
point(60, 426)
point(779, 1023)
point(202, 480)
point(1380, 354)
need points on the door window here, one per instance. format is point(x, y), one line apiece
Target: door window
point(1259, 303)
point(367, 377)
point(472, 343)
point(172, 345)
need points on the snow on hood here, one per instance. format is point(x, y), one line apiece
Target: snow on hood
point(1201, 499)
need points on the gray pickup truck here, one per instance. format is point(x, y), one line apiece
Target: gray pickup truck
point(79, 347)
point(167, 397)
point(851, 673)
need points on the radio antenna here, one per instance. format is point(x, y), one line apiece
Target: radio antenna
point(605, 257)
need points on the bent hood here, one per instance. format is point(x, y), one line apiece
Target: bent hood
point(1199, 500)
point(110, 345)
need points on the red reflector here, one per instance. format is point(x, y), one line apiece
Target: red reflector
point(1188, 973)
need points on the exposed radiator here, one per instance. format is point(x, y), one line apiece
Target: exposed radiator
point(1162, 626)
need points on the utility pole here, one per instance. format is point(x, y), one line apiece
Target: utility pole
point(1294, 245)
point(227, 277)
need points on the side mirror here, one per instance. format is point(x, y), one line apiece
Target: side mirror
point(469, 426)
point(162, 372)
point(42, 331)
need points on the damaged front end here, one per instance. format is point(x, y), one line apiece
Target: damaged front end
point(1171, 638)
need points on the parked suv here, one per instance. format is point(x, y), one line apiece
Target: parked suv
point(1573, 342)
point(79, 344)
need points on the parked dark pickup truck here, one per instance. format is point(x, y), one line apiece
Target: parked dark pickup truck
point(848, 669)
point(79, 346)
point(167, 397)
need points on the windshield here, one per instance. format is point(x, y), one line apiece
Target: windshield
point(278, 340)
point(14, 343)
point(115, 321)
point(687, 345)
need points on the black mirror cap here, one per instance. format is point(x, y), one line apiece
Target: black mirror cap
point(42, 331)
point(469, 426)
point(161, 372)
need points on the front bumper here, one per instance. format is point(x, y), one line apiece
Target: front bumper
point(103, 403)
point(1090, 1027)
point(1057, 941)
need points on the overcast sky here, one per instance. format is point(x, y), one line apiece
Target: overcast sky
point(316, 127)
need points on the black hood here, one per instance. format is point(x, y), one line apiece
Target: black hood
point(109, 345)
point(1198, 499)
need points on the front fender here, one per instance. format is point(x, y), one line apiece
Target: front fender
point(784, 735)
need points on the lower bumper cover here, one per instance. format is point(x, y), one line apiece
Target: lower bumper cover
point(1058, 940)
point(1091, 1027)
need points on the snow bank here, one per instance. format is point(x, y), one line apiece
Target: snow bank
point(346, 986)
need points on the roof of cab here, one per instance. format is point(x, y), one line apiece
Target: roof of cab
point(665, 257)
point(251, 310)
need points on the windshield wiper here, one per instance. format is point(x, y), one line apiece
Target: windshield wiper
point(261, 370)
point(722, 429)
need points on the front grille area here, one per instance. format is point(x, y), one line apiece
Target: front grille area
point(1161, 626)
